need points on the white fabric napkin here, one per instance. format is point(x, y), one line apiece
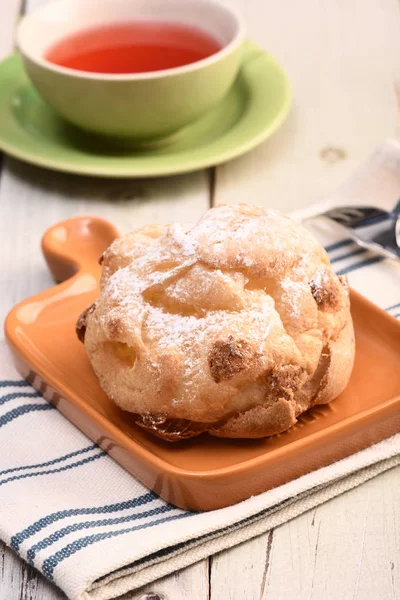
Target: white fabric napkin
point(78, 517)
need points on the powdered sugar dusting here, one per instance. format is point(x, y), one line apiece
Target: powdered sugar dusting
point(185, 288)
point(293, 293)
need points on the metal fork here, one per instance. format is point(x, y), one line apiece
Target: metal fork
point(370, 227)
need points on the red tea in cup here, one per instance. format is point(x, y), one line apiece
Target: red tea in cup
point(137, 47)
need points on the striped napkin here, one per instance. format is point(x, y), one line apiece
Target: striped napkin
point(90, 527)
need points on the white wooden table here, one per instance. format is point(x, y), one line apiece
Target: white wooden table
point(343, 58)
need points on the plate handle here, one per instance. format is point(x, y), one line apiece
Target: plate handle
point(76, 244)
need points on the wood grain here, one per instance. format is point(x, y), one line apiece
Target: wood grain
point(347, 548)
point(242, 571)
point(32, 199)
point(19, 581)
point(343, 58)
point(9, 12)
point(191, 583)
point(343, 61)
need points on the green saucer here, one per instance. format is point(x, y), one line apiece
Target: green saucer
point(253, 109)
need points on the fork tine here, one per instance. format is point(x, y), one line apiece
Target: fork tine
point(370, 227)
point(345, 215)
point(354, 216)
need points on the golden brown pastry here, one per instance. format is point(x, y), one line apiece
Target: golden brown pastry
point(234, 326)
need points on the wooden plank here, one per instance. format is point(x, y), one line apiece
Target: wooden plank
point(343, 60)
point(32, 199)
point(19, 581)
point(10, 10)
point(189, 584)
point(241, 572)
point(346, 548)
point(344, 105)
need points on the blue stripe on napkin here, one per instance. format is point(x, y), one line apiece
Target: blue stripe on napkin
point(60, 533)
point(340, 244)
point(15, 395)
point(51, 471)
point(22, 410)
point(363, 263)
point(389, 308)
point(53, 560)
point(355, 252)
point(50, 462)
point(72, 512)
point(12, 383)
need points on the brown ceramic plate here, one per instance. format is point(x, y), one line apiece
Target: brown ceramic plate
point(205, 472)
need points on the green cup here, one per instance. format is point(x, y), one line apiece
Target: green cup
point(141, 106)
